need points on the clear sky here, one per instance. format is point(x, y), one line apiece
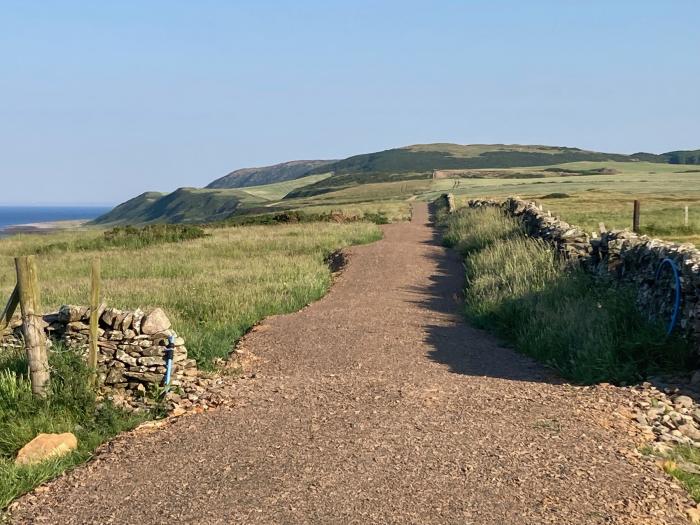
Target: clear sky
point(102, 100)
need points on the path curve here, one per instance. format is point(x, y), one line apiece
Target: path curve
point(378, 404)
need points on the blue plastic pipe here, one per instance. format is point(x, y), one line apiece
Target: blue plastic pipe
point(169, 353)
point(677, 300)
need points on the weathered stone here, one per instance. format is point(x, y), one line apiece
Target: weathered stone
point(683, 401)
point(46, 446)
point(155, 322)
point(125, 358)
point(151, 361)
point(115, 375)
point(146, 377)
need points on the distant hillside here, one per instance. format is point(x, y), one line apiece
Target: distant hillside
point(419, 161)
point(200, 205)
point(683, 157)
point(308, 182)
point(269, 174)
point(181, 206)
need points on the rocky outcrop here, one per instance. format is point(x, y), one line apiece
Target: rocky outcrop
point(621, 255)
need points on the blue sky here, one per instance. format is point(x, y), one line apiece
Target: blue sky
point(100, 101)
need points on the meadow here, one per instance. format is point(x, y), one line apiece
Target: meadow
point(586, 200)
point(214, 288)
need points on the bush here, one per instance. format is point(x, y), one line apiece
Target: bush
point(130, 237)
point(519, 288)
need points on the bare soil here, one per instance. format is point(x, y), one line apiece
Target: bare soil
point(379, 404)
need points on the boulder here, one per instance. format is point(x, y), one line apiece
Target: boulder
point(46, 446)
point(155, 322)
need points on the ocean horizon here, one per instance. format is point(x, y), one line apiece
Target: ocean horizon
point(21, 215)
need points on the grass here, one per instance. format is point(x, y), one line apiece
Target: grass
point(685, 454)
point(214, 288)
point(70, 407)
point(518, 288)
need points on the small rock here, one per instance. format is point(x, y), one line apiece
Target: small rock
point(690, 431)
point(45, 446)
point(683, 402)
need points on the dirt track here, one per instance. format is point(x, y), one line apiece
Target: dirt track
point(378, 404)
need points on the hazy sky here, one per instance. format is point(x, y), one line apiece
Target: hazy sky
point(102, 100)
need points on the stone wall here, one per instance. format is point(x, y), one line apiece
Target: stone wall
point(131, 345)
point(622, 256)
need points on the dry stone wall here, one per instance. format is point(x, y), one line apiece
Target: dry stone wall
point(131, 345)
point(624, 256)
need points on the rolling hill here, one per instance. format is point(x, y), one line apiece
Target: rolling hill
point(269, 174)
point(305, 183)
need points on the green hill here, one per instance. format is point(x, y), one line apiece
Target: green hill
point(269, 174)
point(395, 173)
point(420, 160)
point(191, 205)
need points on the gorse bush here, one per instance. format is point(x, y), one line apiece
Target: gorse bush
point(71, 406)
point(130, 237)
point(518, 287)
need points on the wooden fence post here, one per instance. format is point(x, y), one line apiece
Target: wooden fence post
point(9, 310)
point(94, 319)
point(32, 324)
point(635, 217)
point(686, 217)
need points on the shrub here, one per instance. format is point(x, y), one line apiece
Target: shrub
point(130, 237)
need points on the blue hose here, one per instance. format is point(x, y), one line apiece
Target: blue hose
point(169, 353)
point(677, 301)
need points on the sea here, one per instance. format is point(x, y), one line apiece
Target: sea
point(20, 215)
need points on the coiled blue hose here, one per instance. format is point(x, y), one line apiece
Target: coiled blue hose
point(677, 300)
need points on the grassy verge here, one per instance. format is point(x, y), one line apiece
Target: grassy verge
point(521, 290)
point(214, 288)
point(70, 407)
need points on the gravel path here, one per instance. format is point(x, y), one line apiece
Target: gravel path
point(378, 404)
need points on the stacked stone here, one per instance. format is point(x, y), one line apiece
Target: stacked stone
point(131, 345)
point(621, 255)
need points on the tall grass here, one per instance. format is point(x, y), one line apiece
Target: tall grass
point(70, 407)
point(469, 232)
point(518, 287)
point(213, 288)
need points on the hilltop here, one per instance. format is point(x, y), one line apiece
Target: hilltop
point(369, 177)
point(245, 177)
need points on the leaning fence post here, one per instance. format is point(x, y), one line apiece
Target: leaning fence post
point(32, 324)
point(635, 217)
point(94, 311)
point(9, 310)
